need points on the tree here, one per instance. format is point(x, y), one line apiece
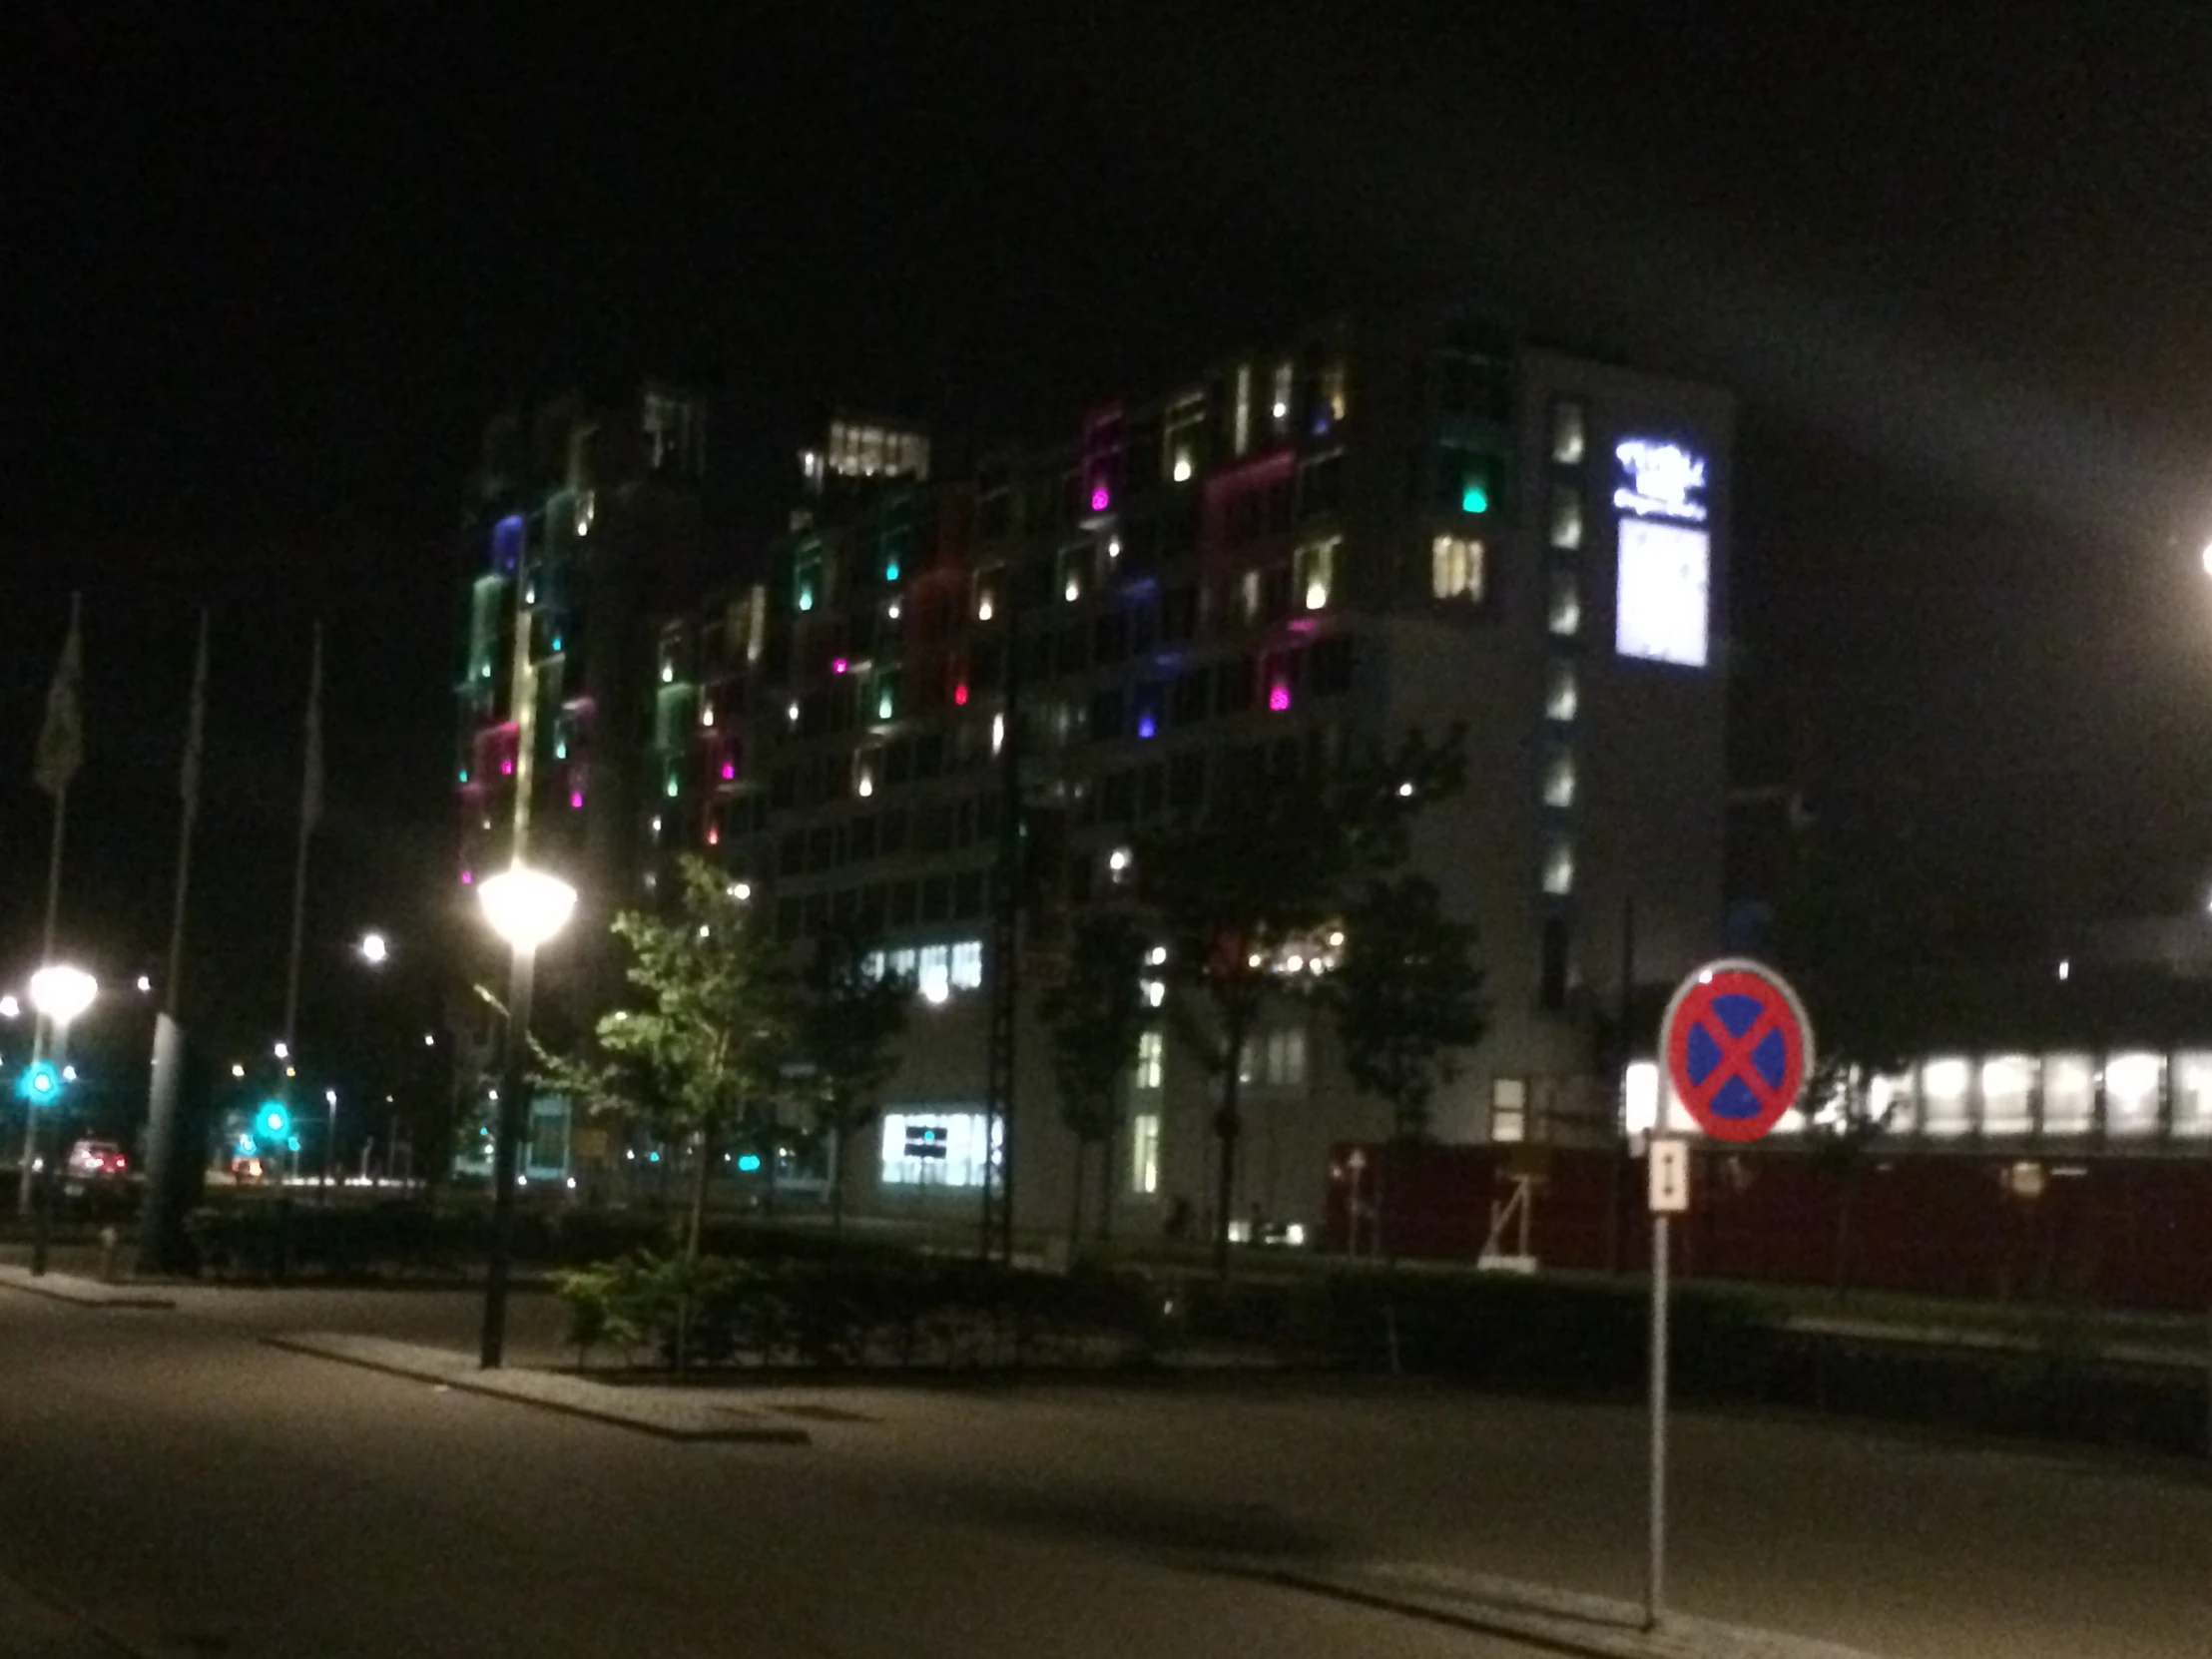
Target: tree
point(709, 1036)
point(849, 1019)
point(1096, 1017)
point(1272, 864)
point(1407, 997)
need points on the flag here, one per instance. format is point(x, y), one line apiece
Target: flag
point(61, 741)
point(196, 723)
point(310, 783)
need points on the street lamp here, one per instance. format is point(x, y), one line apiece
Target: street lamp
point(526, 907)
point(60, 994)
point(374, 948)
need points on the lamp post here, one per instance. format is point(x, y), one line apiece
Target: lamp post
point(526, 907)
point(58, 994)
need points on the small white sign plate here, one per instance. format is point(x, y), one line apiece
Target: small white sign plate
point(1670, 1174)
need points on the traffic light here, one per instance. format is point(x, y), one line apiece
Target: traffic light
point(40, 1084)
point(273, 1122)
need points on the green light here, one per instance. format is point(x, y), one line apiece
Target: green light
point(883, 707)
point(560, 750)
point(1474, 497)
point(556, 642)
point(891, 571)
point(464, 774)
point(672, 783)
point(806, 599)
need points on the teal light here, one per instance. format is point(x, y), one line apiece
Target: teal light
point(749, 1162)
point(560, 750)
point(672, 783)
point(556, 642)
point(891, 571)
point(273, 1122)
point(40, 1084)
point(1474, 497)
point(883, 707)
point(806, 599)
point(464, 774)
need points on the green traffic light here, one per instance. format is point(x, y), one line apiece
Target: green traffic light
point(273, 1122)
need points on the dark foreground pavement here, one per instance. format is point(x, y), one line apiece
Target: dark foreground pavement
point(194, 1490)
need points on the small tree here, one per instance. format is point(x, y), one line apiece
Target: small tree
point(1096, 1017)
point(1406, 996)
point(1273, 861)
point(849, 1020)
point(709, 1034)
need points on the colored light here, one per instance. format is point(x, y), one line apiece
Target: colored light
point(40, 1084)
point(672, 784)
point(891, 571)
point(749, 1162)
point(1100, 499)
point(806, 599)
point(1278, 698)
point(468, 877)
point(1145, 725)
point(560, 750)
point(837, 665)
point(556, 642)
point(1474, 497)
point(883, 707)
point(464, 774)
point(506, 769)
point(575, 799)
point(713, 836)
point(729, 772)
point(959, 696)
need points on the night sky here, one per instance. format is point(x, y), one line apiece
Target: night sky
point(266, 279)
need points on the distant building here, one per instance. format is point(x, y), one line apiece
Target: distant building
point(1377, 523)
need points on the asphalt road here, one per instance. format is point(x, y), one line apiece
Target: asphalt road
point(194, 1492)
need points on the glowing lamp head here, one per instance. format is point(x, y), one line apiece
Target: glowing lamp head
point(273, 1122)
point(374, 948)
point(526, 906)
point(61, 993)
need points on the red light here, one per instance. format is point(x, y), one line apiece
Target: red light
point(959, 695)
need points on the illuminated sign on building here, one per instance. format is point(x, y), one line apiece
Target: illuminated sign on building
point(1664, 554)
point(1659, 480)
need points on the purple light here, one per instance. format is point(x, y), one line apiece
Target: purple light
point(1100, 499)
point(837, 665)
point(1278, 698)
point(729, 772)
point(1145, 725)
point(575, 797)
point(506, 769)
point(467, 875)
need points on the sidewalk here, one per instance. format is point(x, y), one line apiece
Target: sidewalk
point(85, 1293)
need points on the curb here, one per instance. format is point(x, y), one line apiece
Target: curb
point(681, 1420)
point(81, 1293)
point(1559, 1621)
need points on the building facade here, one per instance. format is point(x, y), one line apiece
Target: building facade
point(1384, 522)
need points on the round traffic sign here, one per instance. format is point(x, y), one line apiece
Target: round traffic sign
point(1737, 1048)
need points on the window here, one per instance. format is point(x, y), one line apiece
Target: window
point(1106, 712)
point(2134, 1085)
point(1560, 696)
point(1248, 598)
point(1278, 409)
point(1152, 1051)
point(2007, 1089)
point(1560, 781)
point(1074, 573)
point(1276, 1060)
point(1187, 781)
point(1563, 616)
point(1333, 402)
point(1321, 484)
point(1240, 411)
point(1178, 615)
point(1559, 867)
point(1509, 1109)
point(1456, 568)
point(967, 964)
point(1313, 573)
point(1144, 1152)
point(990, 596)
point(1569, 432)
point(1145, 711)
point(1566, 517)
point(933, 972)
point(2069, 1094)
point(1185, 432)
point(925, 1147)
point(1466, 482)
point(867, 766)
point(807, 587)
point(1233, 686)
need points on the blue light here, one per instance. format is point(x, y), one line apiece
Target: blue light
point(1474, 497)
point(652, 1157)
point(1145, 725)
point(891, 571)
point(749, 1162)
point(40, 1084)
point(506, 542)
point(273, 1122)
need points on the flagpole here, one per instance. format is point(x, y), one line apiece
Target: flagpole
point(310, 808)
point(60, 751)
point(187, 789)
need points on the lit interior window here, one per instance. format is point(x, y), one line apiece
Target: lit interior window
point(1144, 1152)
point(935, 1147)
point(1665, 580)
point(1314, 573)
point(2132, 1086)
point(966, 973)
point(933, 972)
point(1944, 1087)
point(1281, 407)
point(1569, 435)
point(1559, 867)
point(1181, 471)
point(1559, 782)
point(1566, 519)
point(1456, 568)
point(1240, 412)
point(1561, 697)
point(1152, 1048)
point(1564, 617)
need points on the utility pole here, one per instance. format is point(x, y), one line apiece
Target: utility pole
point(1005, 948)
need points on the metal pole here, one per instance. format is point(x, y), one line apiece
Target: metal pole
point(329, 1145)
point(503, 1157)
point(1655, 1580)
point(188, 795)
point(25, 1197)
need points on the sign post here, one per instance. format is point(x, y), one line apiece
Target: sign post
point(1735, 1049)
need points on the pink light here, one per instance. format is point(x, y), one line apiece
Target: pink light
point(1278, 698)
point(467, 875)
point(576, 797)
point(959, 695)
point(729, 772)
point(506, 769)
point(837, 665)
point(713, 836)
point(1099, 498)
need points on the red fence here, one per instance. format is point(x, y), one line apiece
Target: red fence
point(2122, 1232)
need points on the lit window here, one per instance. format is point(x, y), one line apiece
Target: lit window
point(2069, 1094)
point(906, 964)
point(986, 592)
point(1313, 573)
point(865, 765)
point(1944, 1094)
point(1144, 1152)
point(1456, 568)
point(2007, 1088)
point(935, 972)
point(1240, 414)
point(1509, 1105)
point(1566, 518)
point(1152, 1049)
point(1559, 867)
point(1186, 426)
point(1281, 407)
point(2132, 1086)
point(1565, 616)
point(806, 583)
point(1155, 992)
point(1247, 597)
point(1560, 781)
point(1072, 572)
point(1287, 1057)
point(1569, 432)
point(1560, 693)
point(1333, 397)
point(967, 964)
point(935, 1148)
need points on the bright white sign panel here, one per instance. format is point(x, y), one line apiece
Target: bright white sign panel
point(1665, 575)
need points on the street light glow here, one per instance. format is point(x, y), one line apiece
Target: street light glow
point(11, 1006)
point(374, 948)
point(526, 906)
point(145, 982)
point(283, 1049)
point(61, 993)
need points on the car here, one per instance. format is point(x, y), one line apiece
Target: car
point(97, 1161)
